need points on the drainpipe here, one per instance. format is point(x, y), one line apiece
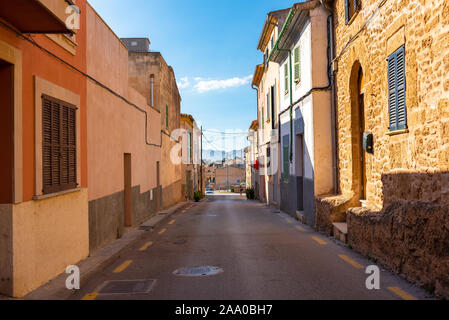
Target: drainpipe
point(330, 21)
point(291, 100)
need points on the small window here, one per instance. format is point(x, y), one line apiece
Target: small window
point(297, 61)
point(152, 90)
point(166, 116)
point(58, 145)
point(266, 56)
point(351, 7)
point(397, 109)
point(286, 79)
point(268, 107)
point(134, 43)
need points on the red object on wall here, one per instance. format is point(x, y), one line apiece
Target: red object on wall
point(256, 165)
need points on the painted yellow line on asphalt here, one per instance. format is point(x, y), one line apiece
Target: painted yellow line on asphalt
point(322, 242)
point(401, 293)
point(289, 220)
point(300, 228)
point(173, 221)
point(350, 261)
point(162, 231)
point(146, 246)
point(123, 266)
point(90, 296)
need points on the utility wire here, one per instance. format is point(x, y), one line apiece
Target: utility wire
point(34, 43)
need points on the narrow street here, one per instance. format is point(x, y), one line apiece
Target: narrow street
point(264, 255)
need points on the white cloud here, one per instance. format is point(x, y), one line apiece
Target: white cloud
point(209, 85)
point(202, 85)
point(184, 83)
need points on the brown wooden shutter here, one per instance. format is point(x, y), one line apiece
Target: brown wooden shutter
point(58, 145)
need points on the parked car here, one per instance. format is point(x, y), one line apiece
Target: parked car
point(209, 191)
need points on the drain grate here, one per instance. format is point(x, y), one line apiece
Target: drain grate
point(201, 271)
point(126, 286)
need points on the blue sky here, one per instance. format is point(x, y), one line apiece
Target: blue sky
point(210, 44)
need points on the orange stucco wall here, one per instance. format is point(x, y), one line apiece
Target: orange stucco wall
point(40, 63)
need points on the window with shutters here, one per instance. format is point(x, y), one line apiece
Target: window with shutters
point(397, 109)
point(297, 63)
point(351, 7)
point(58, 145)
point(286, 80)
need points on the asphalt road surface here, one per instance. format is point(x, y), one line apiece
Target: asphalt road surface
point(263, 254)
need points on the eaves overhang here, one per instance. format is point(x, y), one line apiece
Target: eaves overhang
point(258, 73)
point(36, 16)
point(293, 26)
point(271, 21)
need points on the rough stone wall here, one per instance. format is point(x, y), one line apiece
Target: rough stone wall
point(330, 209)
point(423, 26)
point(412, 238)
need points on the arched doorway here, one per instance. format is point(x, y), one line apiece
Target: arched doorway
point(357, 130)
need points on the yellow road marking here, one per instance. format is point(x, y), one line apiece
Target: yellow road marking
point(146, 245)
point(162, 231)
point(350, 261)
point(322, 242)
point(173, 221)
point(404, 295)
point(300, 228)
point(123, 266)
point(90, 296)
point(289, 221)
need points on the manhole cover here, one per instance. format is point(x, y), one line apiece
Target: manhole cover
point(126, 286)
point(198, 271)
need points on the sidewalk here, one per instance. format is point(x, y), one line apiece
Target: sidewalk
point(56, 290)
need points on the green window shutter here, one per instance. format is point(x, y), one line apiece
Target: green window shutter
point(397, 109)
point(166, 116)
point(286, 77)
point(297, 58)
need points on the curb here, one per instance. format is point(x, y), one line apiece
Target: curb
point(55, 289)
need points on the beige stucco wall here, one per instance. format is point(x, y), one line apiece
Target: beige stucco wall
point(49, 235)
point(116, 127)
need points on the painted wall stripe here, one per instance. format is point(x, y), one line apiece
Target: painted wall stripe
point(123, 266)
point(350, 261)
point(322, 242)
point(401, 293)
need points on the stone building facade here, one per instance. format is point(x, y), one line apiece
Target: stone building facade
point(391, 65)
